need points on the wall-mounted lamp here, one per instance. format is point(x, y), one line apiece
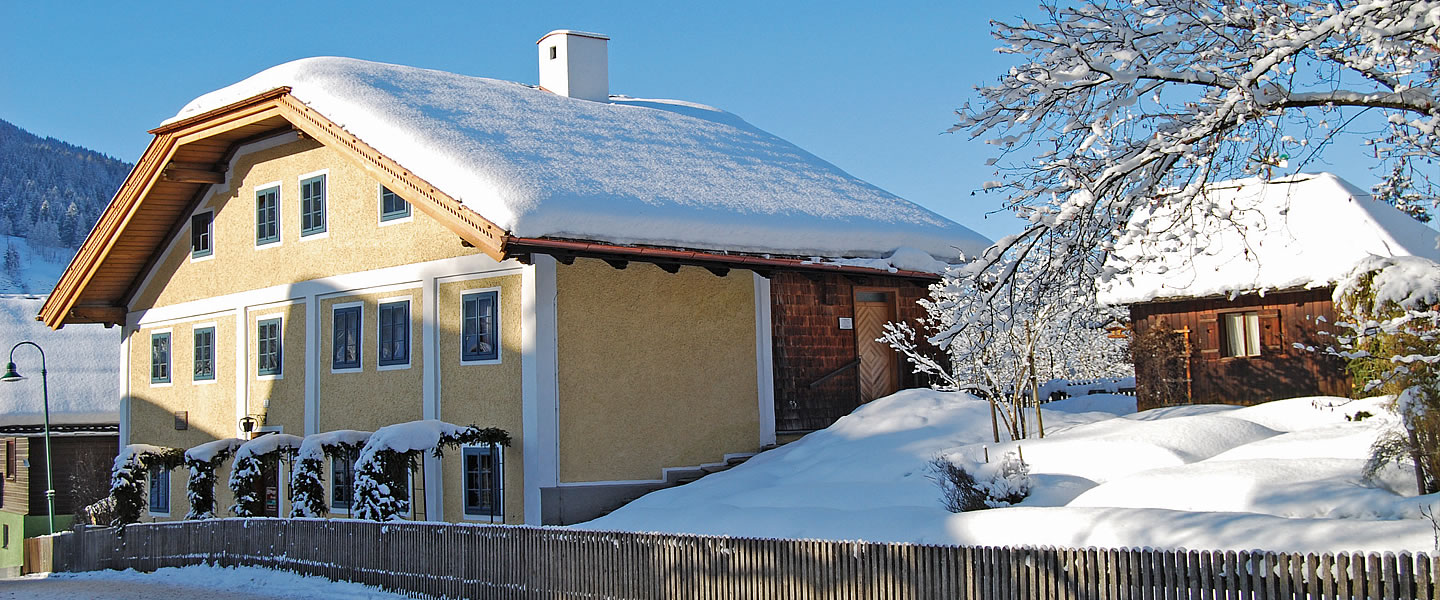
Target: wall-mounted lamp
point(248, 423)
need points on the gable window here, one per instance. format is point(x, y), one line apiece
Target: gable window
point(159, 491)
point(160, 357)
point(201, 230)
point(479, 326)
point(205, 354)
point(392, 206)
point(1240, 334)
point(395, 333)
point(312, 205)
point(342, 477)
point(267, 216)
point(346, 347)
point(484, 488)
point(267, 339)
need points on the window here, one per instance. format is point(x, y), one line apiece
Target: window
point(392, 206)
point(478, 326)
point(267, 216)
point(312, 205)
point(267, 338)
point(395, 333)
point(160, 357)
point(484, 488)
point(1240, 334)
point(159, 491)
point(342, 477)
point(399, 470)
point(11, 460)
point(201, 228)
point(205, 354)
point(347, 338)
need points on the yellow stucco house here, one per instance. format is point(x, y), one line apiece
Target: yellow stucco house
point(626, 286)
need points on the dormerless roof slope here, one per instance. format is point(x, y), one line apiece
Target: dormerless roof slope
point(1300, 231)
point(630, 171)
point(83, 363)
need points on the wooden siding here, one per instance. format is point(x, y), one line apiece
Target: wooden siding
point(1280, 371)
point(16, 497)
point(72, 454)
point(808, 344)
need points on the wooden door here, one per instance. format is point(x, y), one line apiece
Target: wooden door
point(879, 364)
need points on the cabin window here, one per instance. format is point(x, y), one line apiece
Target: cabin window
point(395, 333)
point(201, 230)
point(11, 460)
point(159, 491)
point(160, 357)
point(205, 354)
point(1240, 334)
point(484, 487)
point(267, 336)
point(267, 216)
point(392, 206)
point(312, 205)
point(342, 477)
point(346, 347)
point(479, 327)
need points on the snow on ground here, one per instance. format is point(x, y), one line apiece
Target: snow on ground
point(38, 270)
point(246, 583)
point(1279, 476)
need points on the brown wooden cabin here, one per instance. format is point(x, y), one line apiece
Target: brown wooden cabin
point(1238, 351)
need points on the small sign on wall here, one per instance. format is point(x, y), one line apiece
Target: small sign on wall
point(182, 420)
point(846, 323)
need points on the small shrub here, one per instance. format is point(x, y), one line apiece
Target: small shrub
point(961, 491)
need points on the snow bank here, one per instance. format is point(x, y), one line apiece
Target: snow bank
point(82, 364)
point(628, 171)
point(1278, 476)
point(1251, 236)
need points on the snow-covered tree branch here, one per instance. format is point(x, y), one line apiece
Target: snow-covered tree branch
point(1116, 102)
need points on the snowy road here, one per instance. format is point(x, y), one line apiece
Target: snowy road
point(184, 583)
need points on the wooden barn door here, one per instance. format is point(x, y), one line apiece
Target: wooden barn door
point(879, 365)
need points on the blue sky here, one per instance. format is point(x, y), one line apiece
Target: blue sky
point(868, 86)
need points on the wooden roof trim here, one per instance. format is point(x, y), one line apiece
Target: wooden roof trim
point(471, 227)
point(521, 245)
point(234, 107)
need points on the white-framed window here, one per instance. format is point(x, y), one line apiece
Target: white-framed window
point(393, 208)
point(313, 216)
point(342, 484)
point(202, 236)
point(267, 215)
point(160, 358)
point(483, 484)
point(346, 337)
point(159, 491)
point(480, 326)
point(204, 363)
point(393, 338)
point(269, 358)
point(1240, 334)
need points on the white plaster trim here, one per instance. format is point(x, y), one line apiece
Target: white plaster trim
point(380, 209)
point(242, 379)
point(179, 321)
point(333, 309)
point(374, 290)
point(279, 215)
point(125, 385)
point(540, 441)
point(665, 472)
point(214, 347)
point(499, 328)
point(311, 418)
point(475, 266)
point(507, 268)
point(764, 363)
point(430, 394)
point(409, 332)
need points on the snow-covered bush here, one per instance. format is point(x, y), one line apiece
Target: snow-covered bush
point(402, 444)
point(127, 477)
point(202, 461)
point(979, 487)
point(1389, 331)
point(307, 485)
point(249, 462)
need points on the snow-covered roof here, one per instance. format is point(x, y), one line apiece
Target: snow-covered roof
point(627, 171)
point(82, 364)
point(1307, 230)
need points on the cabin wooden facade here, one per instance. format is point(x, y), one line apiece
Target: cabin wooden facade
point(1216, 367)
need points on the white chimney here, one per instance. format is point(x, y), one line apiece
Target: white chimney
point(574, 64)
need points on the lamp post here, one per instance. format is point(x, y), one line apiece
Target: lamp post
point(11, 375)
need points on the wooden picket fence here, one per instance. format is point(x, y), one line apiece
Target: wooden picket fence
point(439, 560)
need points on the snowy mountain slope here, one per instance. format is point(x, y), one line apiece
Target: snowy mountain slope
point(1279, 476)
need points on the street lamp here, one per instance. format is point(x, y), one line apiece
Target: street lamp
point(12, 375)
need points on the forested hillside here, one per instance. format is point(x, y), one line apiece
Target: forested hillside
point(51, 194)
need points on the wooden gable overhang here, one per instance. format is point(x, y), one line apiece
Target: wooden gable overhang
point(172, 177)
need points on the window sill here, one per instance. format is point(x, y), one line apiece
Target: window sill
point(275, 377)
point(394, 367)
point(318, 235)
point(346, 370)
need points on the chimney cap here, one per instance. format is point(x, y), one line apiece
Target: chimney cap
point(598, 36)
